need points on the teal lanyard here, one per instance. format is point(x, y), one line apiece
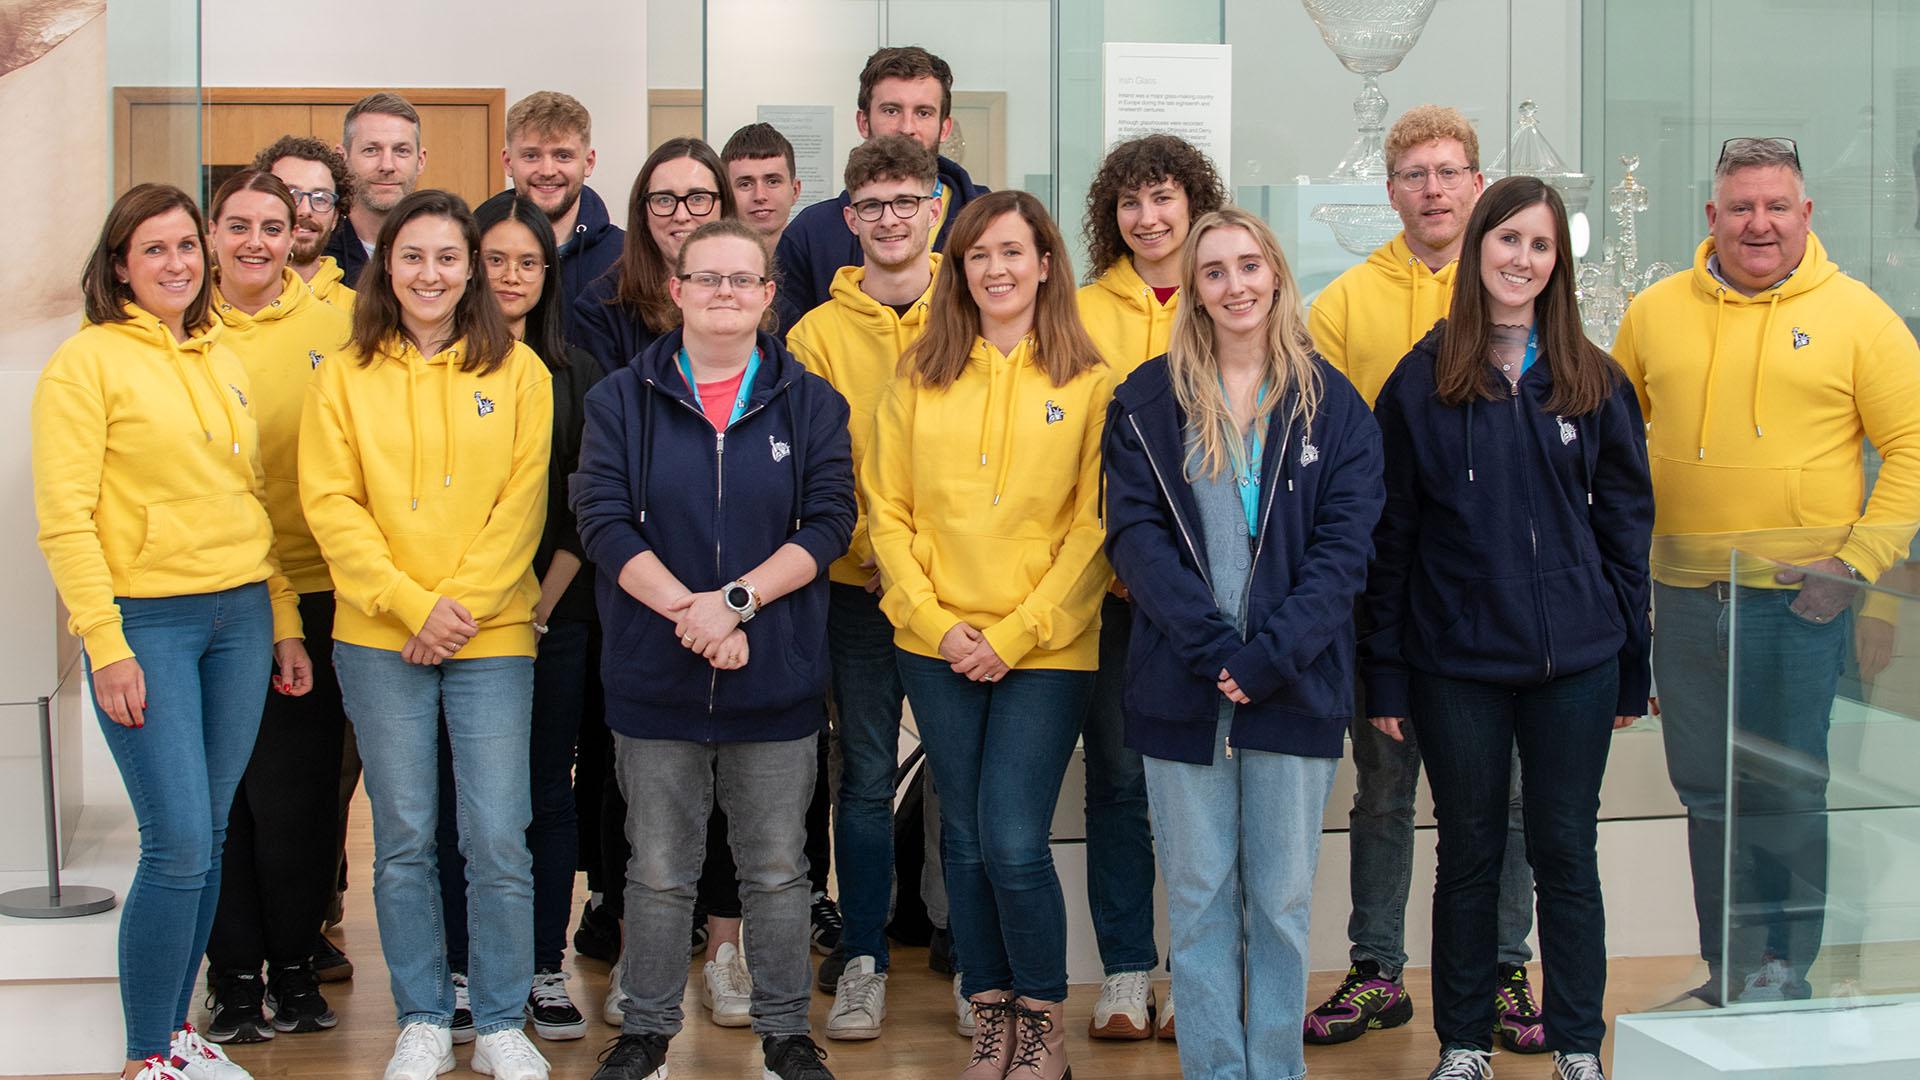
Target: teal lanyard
point(1533, 349)
point(1248, 475)
point(739, 399)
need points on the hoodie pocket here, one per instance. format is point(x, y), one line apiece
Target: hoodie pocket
point(201, 539)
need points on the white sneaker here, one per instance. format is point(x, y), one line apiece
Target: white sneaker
point(159, 1068)
point(610, 1010)
point(962, 1010)
point(508, 1054)
point(1462, 1065)
point(727, 988)
point(859, 1001)
point(462, 1026)
point(197, 1059)
point(1125, 1010)
point(422, 1052)
point(1164, 1029)
point(1577, 1067)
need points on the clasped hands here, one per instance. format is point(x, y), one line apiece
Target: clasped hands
point(706, 625)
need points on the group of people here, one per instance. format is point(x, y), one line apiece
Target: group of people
point(626, 550)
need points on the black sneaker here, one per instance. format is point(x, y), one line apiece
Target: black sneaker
point(940, 950)
point(598, 935)
point(828, 979)
point(462, 1022)
point(233, 1007)
point(553, 1013)
point(293, 993)
point(634, 1057)
point(826, 924)
point(793, 1057)
point(1364, 1001)
point(329, 963)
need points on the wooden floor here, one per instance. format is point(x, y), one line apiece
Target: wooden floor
point(919, 1040)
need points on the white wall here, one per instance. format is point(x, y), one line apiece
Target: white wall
point(673, 47)
point(595, 50)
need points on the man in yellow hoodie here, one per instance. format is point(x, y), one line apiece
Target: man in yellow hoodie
point(854, 341)
point(1363, 323)
point(322, 195)
point(1761, 371)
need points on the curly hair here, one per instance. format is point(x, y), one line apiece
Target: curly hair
point(307, 148)
point(1132, 164)
point(1425, 123)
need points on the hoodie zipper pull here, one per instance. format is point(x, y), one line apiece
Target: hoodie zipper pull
point(1229, 748)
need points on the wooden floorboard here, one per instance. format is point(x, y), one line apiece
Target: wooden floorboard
point(919, 1040)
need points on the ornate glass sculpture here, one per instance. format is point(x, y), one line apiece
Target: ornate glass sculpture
point(1369, 38)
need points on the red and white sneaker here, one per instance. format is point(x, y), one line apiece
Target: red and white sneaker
point(158, 1068)
point(198, 1059)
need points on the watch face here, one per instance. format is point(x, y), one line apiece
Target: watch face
point(736, 597)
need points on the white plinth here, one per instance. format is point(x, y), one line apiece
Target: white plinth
point(1878, 1041)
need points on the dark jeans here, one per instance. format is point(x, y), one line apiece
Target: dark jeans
point(278, 867)
point(1119, 838)
point(1564, 729)
point(820, 817)
point(999, 751)
point(561, 672)
point(867, 696)
point(1784, 670)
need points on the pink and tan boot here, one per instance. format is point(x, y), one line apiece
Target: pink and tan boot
point(993, 1036)
point(1040, 1046)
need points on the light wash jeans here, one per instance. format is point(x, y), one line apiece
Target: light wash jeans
point(207, 659)
point(396, 708)
point(1239, 840)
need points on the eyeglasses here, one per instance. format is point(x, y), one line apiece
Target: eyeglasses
point(497, 265)
point(707, 281)
point(321, 201)
point(664, 203)
point(1773, 144)
point(1451, 176)
point(904, 207)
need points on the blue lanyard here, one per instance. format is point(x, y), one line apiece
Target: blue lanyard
point(1249, 475)
point(739, 399)
point(1533, 349)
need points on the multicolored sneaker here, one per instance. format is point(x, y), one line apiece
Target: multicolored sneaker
point(1365, 1001)
point(1516, 1017)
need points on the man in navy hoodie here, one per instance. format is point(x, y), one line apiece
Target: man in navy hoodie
point(380, 140)
point(903, 91)
point(549, 155)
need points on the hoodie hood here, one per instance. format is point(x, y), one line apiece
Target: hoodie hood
point(1125, 319)
point(1371, 315)
point(329, 285)
point(295, 294)
point(873, 316)
point(192, 364)
point(1430, 290)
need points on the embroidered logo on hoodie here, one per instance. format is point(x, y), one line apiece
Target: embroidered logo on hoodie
point(484, 403)
point(1309, 453)
point(780, 449)
point(1801, 339)
point(1567, 432)
point(238, 394)
point(1055, 413)
point(314, 357)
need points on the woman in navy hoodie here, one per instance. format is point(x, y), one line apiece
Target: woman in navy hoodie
point(1243, 483)
point(715, 485)
point(1509, 603)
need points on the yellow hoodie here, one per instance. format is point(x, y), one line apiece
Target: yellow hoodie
point(147, 478)
point(984, 507)
point(854, 342)
point(420, 481)
point(1369, 317)
point(280, 346)
point(1124, 319)
point(330, 285)
point(1756, 407)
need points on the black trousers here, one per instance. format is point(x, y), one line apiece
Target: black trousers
point(281, 856)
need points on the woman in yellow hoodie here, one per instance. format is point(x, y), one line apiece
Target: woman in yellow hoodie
point(983, 502)
point(279, 863)
point(1142, 203)
point(151, 502)
point(423, 474)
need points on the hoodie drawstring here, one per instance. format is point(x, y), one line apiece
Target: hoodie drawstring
point(446, 459)
point(413, 431)
point(1414, 330)
point(1760, 363)
point(1006, 435)
point(797, 455)
point(1713, 359)
point(646, 454)
point(1469, 440)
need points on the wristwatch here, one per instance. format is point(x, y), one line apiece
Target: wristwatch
point(742, 597)
point(1852, 570)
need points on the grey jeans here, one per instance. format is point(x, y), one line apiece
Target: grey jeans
point(670, 787)
point(1380, 838)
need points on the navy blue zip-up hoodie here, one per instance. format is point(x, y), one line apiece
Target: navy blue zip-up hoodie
point(591, 251)
point(1321, 495)
point(817, 243)
point(1513, 548)
point(654, 476)
point(613, 333)
point(347, 250)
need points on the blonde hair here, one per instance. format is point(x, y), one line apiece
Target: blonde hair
point(550, 113)
point(1194, 367)
point(1425, 123)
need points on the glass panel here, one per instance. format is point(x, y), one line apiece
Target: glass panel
point(153, 66)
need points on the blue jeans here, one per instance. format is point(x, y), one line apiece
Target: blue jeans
point(1239, 842)
point(207, 659)
point(1380, 868)
point(1783, 671)
point(999, 751)
point(1119, 838)
point(396, 708)
point(1564, 729)
point(866, 714)
point(560, 674)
